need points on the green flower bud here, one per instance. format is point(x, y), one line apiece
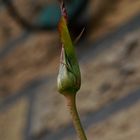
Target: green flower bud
point(69, 77)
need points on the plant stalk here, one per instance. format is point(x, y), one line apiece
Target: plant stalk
point(71, 102)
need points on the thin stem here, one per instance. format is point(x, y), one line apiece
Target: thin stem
point(71, 102)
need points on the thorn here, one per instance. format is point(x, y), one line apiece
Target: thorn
point(79, 36)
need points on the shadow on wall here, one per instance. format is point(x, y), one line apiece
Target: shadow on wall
point(93, 117)
point(102, 8)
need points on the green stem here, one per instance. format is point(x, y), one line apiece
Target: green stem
point(71, 100)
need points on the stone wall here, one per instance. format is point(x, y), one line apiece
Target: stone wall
point(31, 108)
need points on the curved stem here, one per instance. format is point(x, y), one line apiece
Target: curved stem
point(71, 102)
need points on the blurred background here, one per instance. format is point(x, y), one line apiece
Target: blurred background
point(109, 57)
